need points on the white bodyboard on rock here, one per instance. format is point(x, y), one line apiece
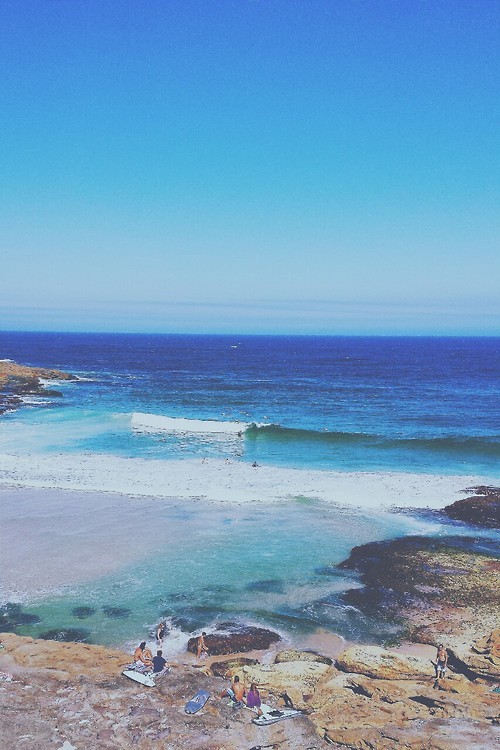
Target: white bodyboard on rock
point(144, 679)
point(272, 715)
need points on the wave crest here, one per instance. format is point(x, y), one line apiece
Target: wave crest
point(157, 423)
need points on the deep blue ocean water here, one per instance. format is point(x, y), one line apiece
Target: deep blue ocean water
point(421, 405)
point(413, 404)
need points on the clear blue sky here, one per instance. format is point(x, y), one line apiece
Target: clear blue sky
point(306, 166)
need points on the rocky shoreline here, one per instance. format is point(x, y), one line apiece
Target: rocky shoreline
point(18, 381)
point(439, 590)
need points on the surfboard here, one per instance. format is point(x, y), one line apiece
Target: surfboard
point(276, 714)
point(197, 702)
point(144, 679)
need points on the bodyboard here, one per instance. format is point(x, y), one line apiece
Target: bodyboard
point(276, 714)
point(197, 702)
point(144, 679)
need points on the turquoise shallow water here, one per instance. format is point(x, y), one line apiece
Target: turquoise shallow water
point(273, 565)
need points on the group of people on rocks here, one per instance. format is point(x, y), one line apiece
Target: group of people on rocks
point(144, 661)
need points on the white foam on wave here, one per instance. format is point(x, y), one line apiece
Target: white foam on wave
point(157, 423)
point(232, 482)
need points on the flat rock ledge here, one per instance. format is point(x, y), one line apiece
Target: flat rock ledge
point(369, 698)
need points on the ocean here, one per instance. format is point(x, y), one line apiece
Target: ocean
point(302, 409)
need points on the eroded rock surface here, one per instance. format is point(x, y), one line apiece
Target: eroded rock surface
point(438, 589)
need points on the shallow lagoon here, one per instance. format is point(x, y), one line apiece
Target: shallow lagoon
point(204, 564)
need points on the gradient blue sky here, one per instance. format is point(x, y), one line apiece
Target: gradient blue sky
point(305, 166)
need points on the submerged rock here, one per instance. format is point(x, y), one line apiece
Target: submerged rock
point(68, 635)
point(83, 612)
point(272, 586)
point(117, 613)
point(12, 617)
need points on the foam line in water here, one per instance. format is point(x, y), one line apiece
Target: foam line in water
point(157, 423)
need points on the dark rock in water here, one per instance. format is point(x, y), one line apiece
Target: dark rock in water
point(74, 635)
point(274, 585)
point(83, 612)
point(117, 613)
point(482, 509)
point(240, 639)
point(12, 616)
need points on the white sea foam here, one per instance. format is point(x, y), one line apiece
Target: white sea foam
point(228, 481)
point(35, 400)
point(157, 423)
point(51, 382)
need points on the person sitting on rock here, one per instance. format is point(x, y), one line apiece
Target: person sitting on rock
point(143, 658)
point(159, 664)
point(441, 661)
point(253, 699)
point(236, 691)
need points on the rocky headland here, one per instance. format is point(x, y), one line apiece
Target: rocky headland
point(17, 381)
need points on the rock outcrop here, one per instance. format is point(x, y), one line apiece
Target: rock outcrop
point(481, 509)
point(56, 693)
point(373, 698)
point(20, 380)
point(233, 638)
point(437, 589)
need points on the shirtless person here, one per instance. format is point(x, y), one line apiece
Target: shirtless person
point(142, 658)
point(236, 692)
point(201, 647)
point(441, 661)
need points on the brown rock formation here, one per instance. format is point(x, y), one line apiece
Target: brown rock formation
point(17, 380)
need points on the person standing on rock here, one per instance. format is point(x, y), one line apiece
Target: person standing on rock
point(161, 631)
point(441, 662)
point(201, 646)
